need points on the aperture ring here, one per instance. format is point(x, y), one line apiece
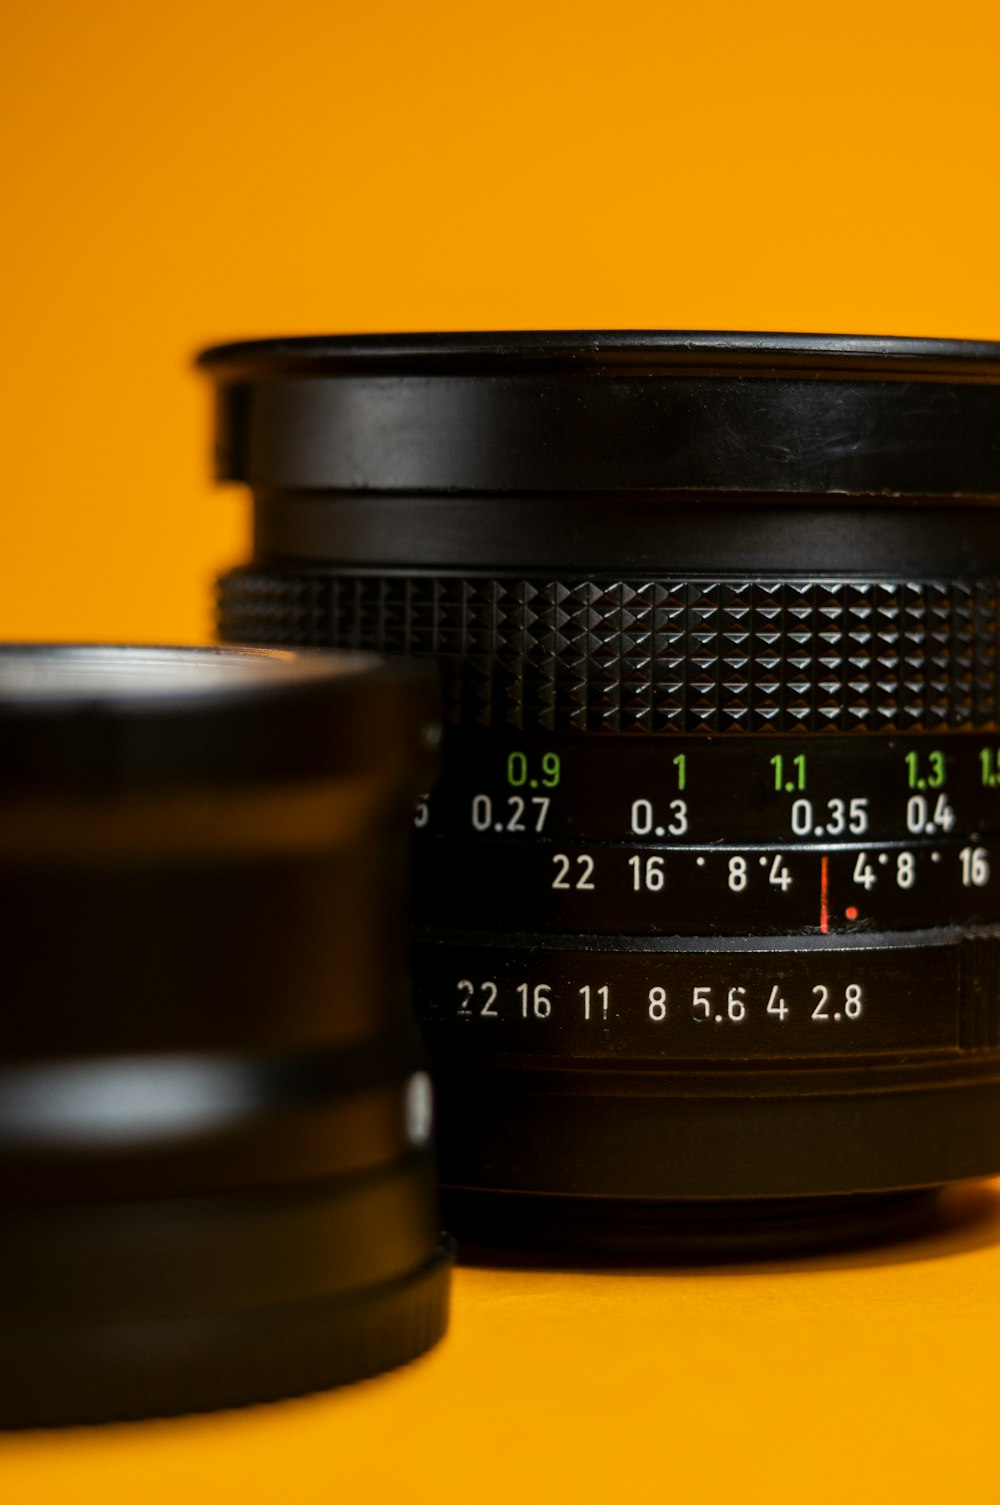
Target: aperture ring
point(700, 654)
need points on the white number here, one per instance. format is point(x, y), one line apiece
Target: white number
point(944, 815)
point(837, 817)
point(736, 1009)
point(543, 802)
point(779, 875)
point(422, 814)
point(482, 813)
point(737, 874)
point(841, 816)
point(603, 993)
point(541, 1003)
point(852, 1000)
point(975, 867)
point(488, 989)
point(916, 814)
point(864, 873)
point(563, 863)
point(515, 823)
point(802, 817)
point(657, 1005)
point(776, 1005)
point(650, 877)
point(906, 870)
point(823, 994)
point(642, 817)
point(679, 824)
point(921, 822)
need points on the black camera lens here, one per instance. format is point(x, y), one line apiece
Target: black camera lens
point(709, 890)
point(216, 1180)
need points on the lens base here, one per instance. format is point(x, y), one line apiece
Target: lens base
point(680, 1231)
point(72, 1376)
point(117, 1311)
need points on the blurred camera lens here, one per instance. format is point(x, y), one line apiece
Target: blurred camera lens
point(708, 901)
point(215, 1164)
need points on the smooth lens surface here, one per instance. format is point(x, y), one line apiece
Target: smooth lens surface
point(70, 672)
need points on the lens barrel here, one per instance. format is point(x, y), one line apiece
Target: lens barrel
point(217, 1181)
point(708, 904)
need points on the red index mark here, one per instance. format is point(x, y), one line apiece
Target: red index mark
point(824, 890)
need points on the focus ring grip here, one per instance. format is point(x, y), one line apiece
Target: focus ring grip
point(701, 654)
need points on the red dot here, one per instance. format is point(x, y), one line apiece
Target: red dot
point(851, 913)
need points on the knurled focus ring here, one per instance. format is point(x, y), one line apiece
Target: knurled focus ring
point(657, 655)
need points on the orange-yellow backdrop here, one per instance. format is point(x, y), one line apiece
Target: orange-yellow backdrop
point(176, 174)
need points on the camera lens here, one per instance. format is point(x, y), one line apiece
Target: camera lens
point(215, 1170)
point(708, 892)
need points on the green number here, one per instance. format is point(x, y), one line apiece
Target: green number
point(680, 763)
point(989, 758)
point(934, 779)
point(517, 769)
point(797, 781)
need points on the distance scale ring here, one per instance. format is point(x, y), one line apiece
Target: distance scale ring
point(699, 654)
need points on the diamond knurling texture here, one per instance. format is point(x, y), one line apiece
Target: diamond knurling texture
point(658, 655)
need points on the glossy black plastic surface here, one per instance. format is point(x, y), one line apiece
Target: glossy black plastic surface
point(214, 1107)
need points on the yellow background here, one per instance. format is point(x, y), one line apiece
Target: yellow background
point(177, 174)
